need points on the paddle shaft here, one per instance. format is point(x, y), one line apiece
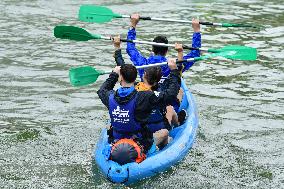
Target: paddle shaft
point(173, 20)
point(163, 63)
point(154, 43)
point(177, 62)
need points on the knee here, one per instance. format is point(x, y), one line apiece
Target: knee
point(164, 133)
point(170, 109)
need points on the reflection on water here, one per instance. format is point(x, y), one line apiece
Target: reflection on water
point(48, 128)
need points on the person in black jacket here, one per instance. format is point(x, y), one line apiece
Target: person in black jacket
point(129, 109)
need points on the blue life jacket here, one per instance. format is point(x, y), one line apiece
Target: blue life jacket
point(156, 121)
point(123, 119)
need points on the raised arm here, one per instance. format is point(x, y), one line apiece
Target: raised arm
point(196, 42)
point(135, 56)
point(117, 53)
point(107, 87)
point(179, 49)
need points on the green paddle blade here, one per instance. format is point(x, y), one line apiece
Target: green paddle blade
point(233, 55)
point(241, 52)
point(209, 56)
point(84, 75)
point(73, 33)
point(237, 25)
point(97, 14)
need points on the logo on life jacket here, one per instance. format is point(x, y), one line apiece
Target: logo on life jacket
point(157, 93)
point(163, 78)
point(120, 115)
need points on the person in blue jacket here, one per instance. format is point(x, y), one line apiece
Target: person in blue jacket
point(160, 52)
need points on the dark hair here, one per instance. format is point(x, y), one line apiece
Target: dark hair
point(128, 72)
point(158, 50)
point(153, 76)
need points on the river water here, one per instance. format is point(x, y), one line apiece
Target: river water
point(48, 128)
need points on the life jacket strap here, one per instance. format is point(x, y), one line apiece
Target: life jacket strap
point(155, 122)
point(127, 132)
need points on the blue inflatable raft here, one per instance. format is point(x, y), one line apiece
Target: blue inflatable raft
point(157, 161)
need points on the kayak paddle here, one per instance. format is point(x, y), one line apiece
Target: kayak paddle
point(85, 75)
point(80, 34)
point(100, 14)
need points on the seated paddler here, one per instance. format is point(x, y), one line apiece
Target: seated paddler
point(129, 110)
point(159, 54)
